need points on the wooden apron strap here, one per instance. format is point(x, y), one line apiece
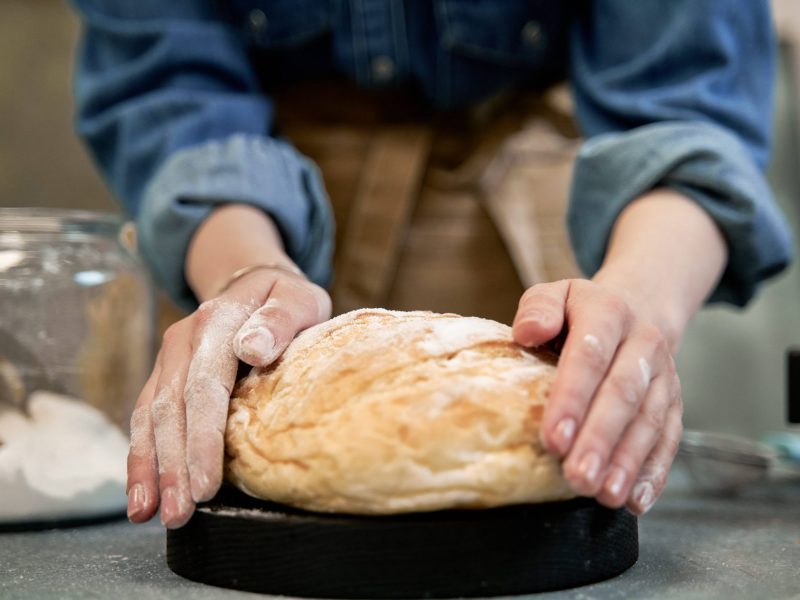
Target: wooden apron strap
point(380, 216)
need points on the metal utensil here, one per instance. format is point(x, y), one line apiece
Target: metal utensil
point(721, 463)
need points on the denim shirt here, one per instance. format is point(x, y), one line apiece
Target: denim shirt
point(171, 100)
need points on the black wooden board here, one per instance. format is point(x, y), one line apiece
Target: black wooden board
point(238, 542)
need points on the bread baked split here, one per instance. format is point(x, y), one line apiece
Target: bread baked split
point(381, 412)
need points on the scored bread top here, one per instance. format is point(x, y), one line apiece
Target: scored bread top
point(380, 412)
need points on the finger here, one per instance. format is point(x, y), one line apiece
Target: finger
point(636, 444)
point(540, 314)
point(142, 485)
point(169, 427)
point(615, 405)
point(207, 392)
point(294, 304)
point(596, 326)
point(654, 473)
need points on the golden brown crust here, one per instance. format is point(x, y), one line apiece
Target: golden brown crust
point(380, 412)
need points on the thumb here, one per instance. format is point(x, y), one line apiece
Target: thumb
point(540, 315)
point(294, 304)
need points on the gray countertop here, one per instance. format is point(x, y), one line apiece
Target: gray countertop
point(690, 547)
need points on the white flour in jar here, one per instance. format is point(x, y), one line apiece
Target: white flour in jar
point(64, 460)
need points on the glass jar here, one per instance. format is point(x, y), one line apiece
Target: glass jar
point(76, 346)
point(77, 306)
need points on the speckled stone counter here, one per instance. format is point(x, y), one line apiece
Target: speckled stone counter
point(691, 547)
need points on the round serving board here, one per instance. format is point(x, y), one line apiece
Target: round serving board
point(239, 542)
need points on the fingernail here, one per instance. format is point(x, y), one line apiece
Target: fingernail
point(589, 467)
point(615, 481)
point(169, 506)
point(643, 496)
point(199, 484)
point(136, 500)
point(173, 508)
point(565, 431)
point(258, 343)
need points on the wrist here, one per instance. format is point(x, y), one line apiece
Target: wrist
point(666, 255)
point(661, 307)
point(232, 238)
point(240, 274)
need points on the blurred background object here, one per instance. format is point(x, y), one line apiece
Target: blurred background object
point(732, 363)
point(42, 162)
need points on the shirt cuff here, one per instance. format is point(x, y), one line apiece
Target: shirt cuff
point(263, 172)
point(701, 161)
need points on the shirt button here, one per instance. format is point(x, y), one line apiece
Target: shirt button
point(532, 34)
point(382, 68)
point(257, 20)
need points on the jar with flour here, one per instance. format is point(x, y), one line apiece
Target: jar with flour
point(76, 345)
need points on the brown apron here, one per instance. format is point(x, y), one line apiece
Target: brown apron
point(453, 214)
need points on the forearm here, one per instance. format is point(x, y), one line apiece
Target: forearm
point(232, 237)
point(666, 254)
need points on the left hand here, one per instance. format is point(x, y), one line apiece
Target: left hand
point(615, 408)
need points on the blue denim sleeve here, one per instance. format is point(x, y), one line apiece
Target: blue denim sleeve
point(174, 117)
point(678, 94)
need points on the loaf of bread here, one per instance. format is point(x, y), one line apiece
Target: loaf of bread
point(381, 412)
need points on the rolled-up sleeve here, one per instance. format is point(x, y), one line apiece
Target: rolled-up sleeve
point(175, 119)
point(678, 94)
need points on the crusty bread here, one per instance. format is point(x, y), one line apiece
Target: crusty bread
point(380, 412)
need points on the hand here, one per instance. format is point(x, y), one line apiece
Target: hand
point(615, 408)
point(178, 425)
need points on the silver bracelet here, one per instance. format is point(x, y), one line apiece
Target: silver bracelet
point(239, 273)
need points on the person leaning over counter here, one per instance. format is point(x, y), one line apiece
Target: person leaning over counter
point(669, 207)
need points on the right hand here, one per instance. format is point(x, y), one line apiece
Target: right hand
point(178, 425)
